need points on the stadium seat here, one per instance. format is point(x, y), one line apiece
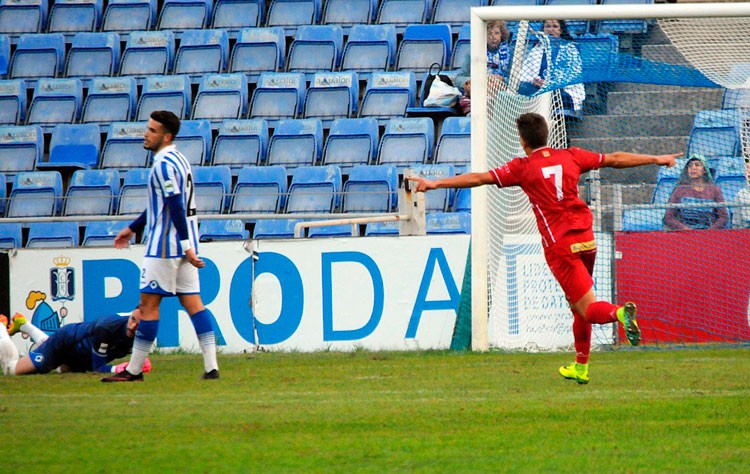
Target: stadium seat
point(715, 133)
point(454, 12)
point(21, 148)
point(351, 142)
point(462, 201)
point(19, 17)
point(454, 143)
point(194, 141)
point(598, 53)
point(123, 148)
point(278, 96)
point(348, 13)
point(240, 143)
point(369, 48)
point(134, 192)
point(73, 16)
point(336, 230)
point(436, 112)
point(623, 26)
point(663, 190)
point(401, 13)
point(102, 233)
point(110, 99)
point(171, 93)
point(73, 146)
point(260, 189)
point(36, 194)
point(729, 166)
point(181, 15)
point(462, 47)
point(640, 220)
point(37, 56)
point(448, 223)
point(55, 101)
point(258, 50)
point(11, 235)
point(274, 228)
point(147, 53)
point(124, 16)
point(735, 98)
point(730, 186)
point(380, 229)
point(315, 48)
point(388, 95)
point(93, 54)
point(290, 14)
point(212, 185)
point(296, 143)
point(221, 96)
point(407, 141)
point(513, 25)
point(424, 45)
point(3, 193)
point(53, 235)
point(314, 189)
point(92, 193)
point(202, 52)
point(371, 188)
point(223, 229)
point(332, 95)
point(4, 54)
point(575, 27)
point(437, 200)
point(233, 15)
point(12, 101)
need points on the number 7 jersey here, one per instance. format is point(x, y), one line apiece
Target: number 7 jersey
point(549, 177)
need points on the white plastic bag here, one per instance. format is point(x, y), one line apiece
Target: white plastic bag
point(442, 94)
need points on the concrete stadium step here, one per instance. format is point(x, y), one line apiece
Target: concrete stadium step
point(593, 126)
point(666, 53)
point(687, 101)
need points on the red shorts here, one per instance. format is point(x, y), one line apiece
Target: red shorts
point(572, 262)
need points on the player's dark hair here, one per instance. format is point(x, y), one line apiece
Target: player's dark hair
point(533, 129)
point(168, 120)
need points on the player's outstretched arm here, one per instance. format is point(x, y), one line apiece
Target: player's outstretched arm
point(466, 180)
point(621, 159)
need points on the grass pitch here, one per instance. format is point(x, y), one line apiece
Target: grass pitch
point(644, 411)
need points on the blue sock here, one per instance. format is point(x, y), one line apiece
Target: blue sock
point(144, 340)
point(206, 337)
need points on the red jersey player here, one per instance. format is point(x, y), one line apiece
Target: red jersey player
point(549, 177)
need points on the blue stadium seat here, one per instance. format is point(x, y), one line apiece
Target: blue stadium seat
point(348, 13)
point(233, 15)
point(424, 45)
point(278, 96)
point(437, 200)
point(21, 148)
point(241, 143)
point(38, 55)
point(258, 50)
point(624, 26)
point(180, 15)
point(729, 166)
point(134, 192)
point(72, 16)
point(315, 48)
point(513, 25)
point(3, 194)
point(55, 101)
point(147, 53)
point(92, 193)
point(171, 93)
point(19, 17)
point(53, 235)
point(337, 230)
point(274, 228)
point(598, 52)
point(351, 142)
point(221, 96)
point(93, 54)
point(448, 223)
point(641, 220)
point(314, 189)
point(454, 143)
point(212, 186)
point(124, 16)
point(455, 12)
point(407, 141)
point(36, 194)
point(371, 188)
point(715, 133)
point(202, 52)
point(663, 190)
point(102, 233)
point(12, 101)
point(462, 47)
point(296, 143)
point(223, 229)
point(11, 235)
point(388, 95)
point(730, 186)
point(735, 98)
point(380, 229)
point(260, 189)
point(433, 111)
point(123, 148)
point(4, 54)
point(290, 14)
point(369, 48)
point(194, 141)
point(73, 146)
point(332, 95)
point(462, 202)
point(401, 13)
point(575, 27)
point(110, 99)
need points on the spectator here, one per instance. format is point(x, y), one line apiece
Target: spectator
point(696, 186)
point(742, 214)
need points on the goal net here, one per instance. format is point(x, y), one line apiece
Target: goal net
point(650, 78)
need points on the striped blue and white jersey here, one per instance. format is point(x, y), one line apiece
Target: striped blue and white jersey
point(170, 175)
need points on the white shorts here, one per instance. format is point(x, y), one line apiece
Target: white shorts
point(169, 276)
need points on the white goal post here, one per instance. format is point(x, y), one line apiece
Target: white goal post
point(482, 231)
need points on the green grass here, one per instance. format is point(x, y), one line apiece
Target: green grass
point(644, 411)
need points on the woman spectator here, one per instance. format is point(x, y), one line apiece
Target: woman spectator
point(696, 186)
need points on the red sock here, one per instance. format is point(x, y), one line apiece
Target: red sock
point(582, 337)
point(601, 312)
